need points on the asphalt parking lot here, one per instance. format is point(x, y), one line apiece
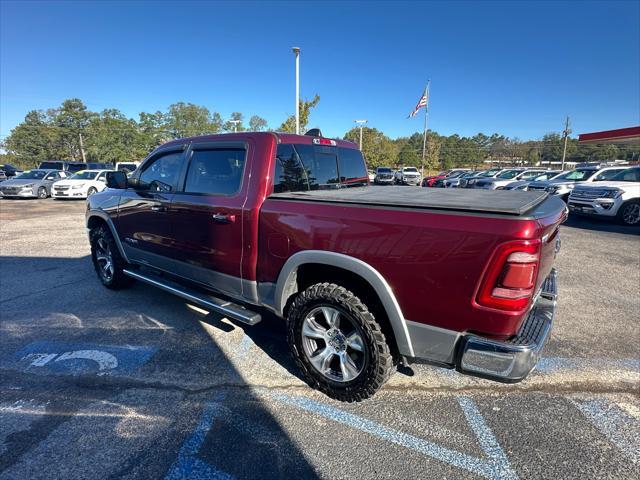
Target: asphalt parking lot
point(135, 384)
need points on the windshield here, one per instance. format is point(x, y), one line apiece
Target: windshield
point(630, 175)
point(545, 176)
point(457, 174)
point(576, 175)
point(489, 173)
point(530, 175)
point(33, 174)
point(84, 175)
point(509, 174)
point(384, 170)
point(410, 169)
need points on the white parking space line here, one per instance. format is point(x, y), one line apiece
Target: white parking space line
point(615, 423)
point(495, 466)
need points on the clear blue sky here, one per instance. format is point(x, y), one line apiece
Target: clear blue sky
point(516, 68)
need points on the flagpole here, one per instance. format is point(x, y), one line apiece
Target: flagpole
point(424, 138)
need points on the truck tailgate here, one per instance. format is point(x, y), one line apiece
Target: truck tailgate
point(482, 201)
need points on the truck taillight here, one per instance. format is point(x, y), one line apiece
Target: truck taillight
point(510, 279)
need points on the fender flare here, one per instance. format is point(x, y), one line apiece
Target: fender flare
point(287, 277)
point(107, 219)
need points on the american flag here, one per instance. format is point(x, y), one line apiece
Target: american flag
point(424, 100)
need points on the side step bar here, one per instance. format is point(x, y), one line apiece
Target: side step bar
point(209, 302)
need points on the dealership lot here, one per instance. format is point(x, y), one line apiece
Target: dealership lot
point(136, 384)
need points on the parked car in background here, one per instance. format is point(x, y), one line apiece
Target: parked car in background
point(9, 170)
point(460, 181)
point(616, 198)
point(127, 166)
point(490, 173)
point(562, 185)
point(524, 184)
point(253, 220)
point(81, 185)
point(372, 175)
point(506, 177)
point(431, 180)
point(3, 176)
point(99, 166)
point(384, 176)
point(71, 167)
point(31, 184)
point(408, 176)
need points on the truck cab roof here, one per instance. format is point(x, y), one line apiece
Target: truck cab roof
point(280, 137)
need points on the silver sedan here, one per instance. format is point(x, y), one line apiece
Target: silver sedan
point(31, 184)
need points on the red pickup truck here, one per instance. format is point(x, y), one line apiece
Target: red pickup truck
point(366, 277)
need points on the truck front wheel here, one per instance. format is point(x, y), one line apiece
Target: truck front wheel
point(337, 343)
point(107, 260)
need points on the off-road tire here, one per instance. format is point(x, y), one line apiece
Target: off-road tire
point(623, 208)
point(118, 280)
point(379, 365)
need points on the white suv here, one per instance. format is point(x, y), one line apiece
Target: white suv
point(408, 176)
point(617, 198)
point(81, 185)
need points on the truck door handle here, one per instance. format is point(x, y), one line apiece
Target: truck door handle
point(223, 218)
point(158, 208)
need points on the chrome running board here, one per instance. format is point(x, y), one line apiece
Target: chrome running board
point(209, 302)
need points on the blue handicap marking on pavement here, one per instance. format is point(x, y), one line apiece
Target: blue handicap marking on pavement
point(81, 358)
point(188, 466)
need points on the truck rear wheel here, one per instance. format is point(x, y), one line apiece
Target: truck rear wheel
point(337, 343)
point(107, 260)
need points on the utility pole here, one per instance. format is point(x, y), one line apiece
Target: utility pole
point(360, 123)
point(84, 159)
point(296, 52)
point(565, 133)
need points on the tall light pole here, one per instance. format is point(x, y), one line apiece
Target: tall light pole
point(565, 133)
point(361, 124)
point(235, 125)
point(296, 52)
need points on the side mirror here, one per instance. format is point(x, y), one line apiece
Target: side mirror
point(117, 180)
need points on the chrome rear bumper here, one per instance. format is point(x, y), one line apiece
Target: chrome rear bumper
point(512, 360)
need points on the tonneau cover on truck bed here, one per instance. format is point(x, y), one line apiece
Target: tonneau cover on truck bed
point(504, 202)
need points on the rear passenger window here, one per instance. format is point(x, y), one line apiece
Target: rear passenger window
point(215, 172)
point(321, 164)
point(290, 175)
point(352, 167)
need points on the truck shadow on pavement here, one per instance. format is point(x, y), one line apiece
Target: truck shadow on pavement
point(188, 412)
point(600, 225)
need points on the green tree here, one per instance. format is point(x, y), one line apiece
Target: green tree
point(112, 137)
point(553, 146)
point(33, 141)
point(188, 120)
point(72, 118)
point(153, 129)
point(257, 124)
point(377, 149)
point(305, 106)
point(433, 152)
